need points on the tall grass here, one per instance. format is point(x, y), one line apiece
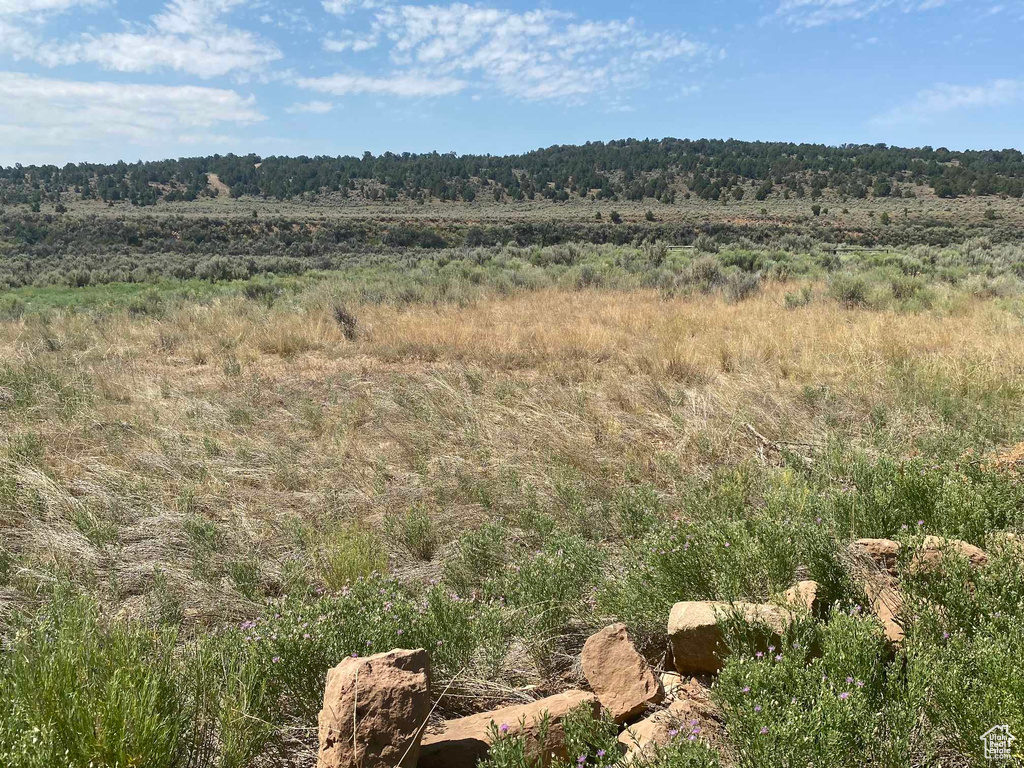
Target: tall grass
point(81, 691)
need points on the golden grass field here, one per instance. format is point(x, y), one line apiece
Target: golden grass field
point(272, 426)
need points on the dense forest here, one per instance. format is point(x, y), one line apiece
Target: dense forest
point(620, 170)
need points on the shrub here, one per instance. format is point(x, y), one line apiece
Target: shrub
point(262, 291)
point(588, 741)
point(149, 304)
point(706, 273)
point(714, 558)
point(790, 707)
point(347, 553)
point(480, 554)
point(294, 644)
point(76, 690)
point(11, 308)
point(849, 290)
point(802, 299)
point(416, 531)
point(742, 285)
point(706, 244)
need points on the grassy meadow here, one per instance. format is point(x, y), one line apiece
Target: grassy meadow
point(211, 492)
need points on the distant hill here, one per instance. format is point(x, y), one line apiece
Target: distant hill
point(620, 170)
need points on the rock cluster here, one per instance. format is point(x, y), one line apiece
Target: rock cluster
point(376, 709)
point(881, 586)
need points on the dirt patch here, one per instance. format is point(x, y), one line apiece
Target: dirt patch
point(1009, 460)
point(213, 182)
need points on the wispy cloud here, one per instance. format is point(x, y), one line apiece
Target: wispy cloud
point(532, 55)
point(26, 7)
point(186, 35)
point(38, 112)
point(352, 41)
point(399, 84)
point(310, 108)
point(945, 98)
point(817, 13)
point(343, 7)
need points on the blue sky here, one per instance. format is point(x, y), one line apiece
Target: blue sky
point(101, 80)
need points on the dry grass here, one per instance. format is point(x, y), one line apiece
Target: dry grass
point(176, 460)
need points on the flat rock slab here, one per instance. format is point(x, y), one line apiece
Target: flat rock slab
point(374, 709)
point(935, 548)
point(461, 743)
point(622, 679)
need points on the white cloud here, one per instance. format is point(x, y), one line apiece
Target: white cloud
point(342, 7)
point(817, 13)
point(535, 55)
point(393, 85)
point(25, 7)
point(945, 98)
point(41, 114)
point(352, 41)
point(310, 108)
point(187, 35)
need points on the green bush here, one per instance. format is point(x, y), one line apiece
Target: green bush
point(347, 552)
point(11, 308)
point(850, 290)
point(416, 531)
point(789, 706)
point(741, 286)
point(294, 644)
point(80, 691)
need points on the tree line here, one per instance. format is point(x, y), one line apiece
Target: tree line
point(629, 169)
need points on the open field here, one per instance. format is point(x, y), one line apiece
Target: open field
point(212, 491)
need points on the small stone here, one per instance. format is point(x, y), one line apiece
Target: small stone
point(671, 682)
point(622, 679)
point(642, 740)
